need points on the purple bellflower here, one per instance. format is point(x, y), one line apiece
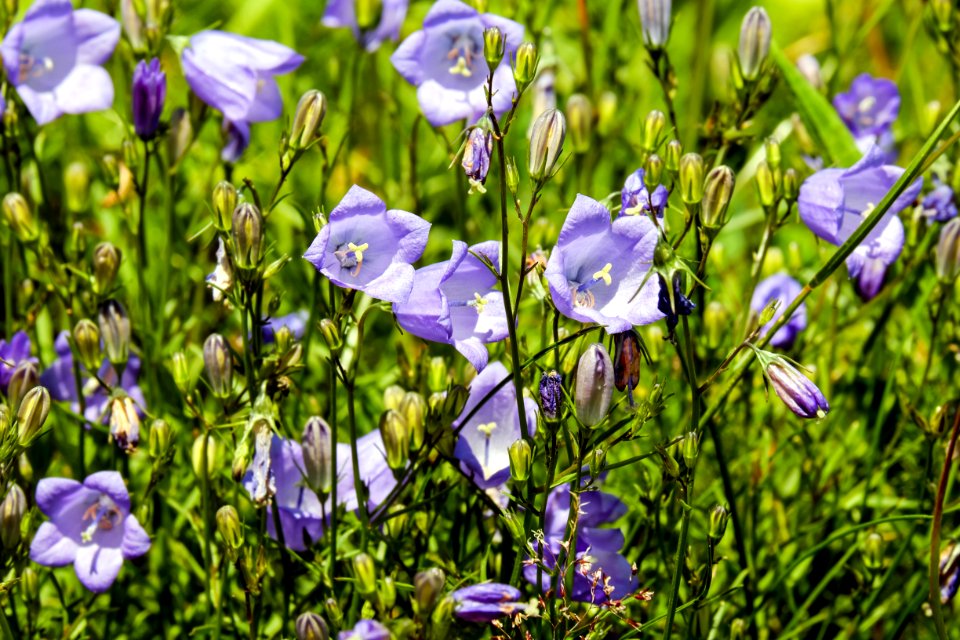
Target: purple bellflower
point(60, 381)
point(939, 205)
point(796, 391)
point(90, 527)
point(342, 13)
point(636, 199)
point(454, 302)
point(445, 62)
point(597, 270)
point(368, 248)
point(375, 473)
point(600, 572)
point(870, 107)
point(235, 75)
point(54, 57)
point(780, 287)
point(833, 203)
point(487, 602)
point(485, 439)
point(11, 354)
point(149, 93)
point(296, 322)
point(365, 630)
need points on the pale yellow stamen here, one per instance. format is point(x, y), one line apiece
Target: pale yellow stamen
point(487, 429)
point(461, 68)
point(604, 274)
point(478, 303)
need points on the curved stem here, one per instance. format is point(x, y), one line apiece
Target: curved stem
point(934, 568)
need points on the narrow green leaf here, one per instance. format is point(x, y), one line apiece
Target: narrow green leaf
point(818, 115)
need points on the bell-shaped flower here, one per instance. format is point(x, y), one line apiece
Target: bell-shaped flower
point(454, 302)
point(870, 107)
point(487, 602)
point(368, 248)
point(939, 205)
point(598, 270)
point(445, 62)
point(485, 439)
point(343, 13)
point(636, 199)
point(90, 527)
point(833, 203)
point(53, 58)
point(780, 287)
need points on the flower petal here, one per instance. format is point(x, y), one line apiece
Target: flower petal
point(86, 88)
point(51, 548)
point(97, 567)
point(97, 35)
point(136, 542)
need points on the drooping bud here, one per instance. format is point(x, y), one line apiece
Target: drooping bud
point(230, 530)
point(580, 118)
point(717, 193)
point(427, 589)
point(31, 415)
point(414, 412)
point(493, 47)
point(310, 626)
point(551, 394)
point(521, 460)
point(106, 264)
point(653, 127)
point(797, 392)
point(18, 215)
point(766, 185)
point(159, 438)
point(224, 203)
point(396, 439)
point(247, 234)
point(655, 22)
point(317, 444)
point(114, 331)
point(593, 386)
point(873, 552)
point(149, 92)
point(546, 144)
point(690, 449)
point(86, 338)
point(626, 360)
point(948, 252)
point(718, 523)
point(526, 60)
point(754, 46)
point(25, 376)
point(218, 362)
point(124, 423)
point(365, 572)
point(12, 509)
point(691, 178)
point(672, 156)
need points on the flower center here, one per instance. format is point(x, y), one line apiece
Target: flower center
point(350, 256)
point(487, 429)
point(582, 296)
point(103, 515)
point(864, 107)
point(462, 52)
point(31, 67)
point(479, 302)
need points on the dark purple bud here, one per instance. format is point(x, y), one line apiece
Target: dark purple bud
point(149, 93)
point(797, 392)
point(626, 360)
point(551, 394)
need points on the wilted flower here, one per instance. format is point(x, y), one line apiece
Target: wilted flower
point(235, 75)
point(365, 630)
point(90, 526)
point(600, 572)
point(221, 279)
point(476, 157)
point(445, 62)
point(636, 199)
point(366, 247)
point(53, 59)
point(783, 288)
point(597, 268)
point(484, 442)
point(149, 93)
point(125, 423)
point(12, 353)
point(454, 302)
point(551, 394)
point(487, 602)
point(797, 392)
point(673, 304)
point(343, 13)
point(833, 203)
point(939, 204)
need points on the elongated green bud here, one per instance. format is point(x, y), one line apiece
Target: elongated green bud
point(427, 589)
point(114, 331)
point(309, 117)
point(606, 113)
point(672, 156)
point(766, 185)
point(12, 509)
point(414, 412)
point(716, 197)
point(580, 120)
point(218, 362)
point(718, 522)
point(654, 170)
point(653, 126)
point(396, 439)
point(593, 386)
point(247, 233)
point(31, 415)
point(546, 143)
point(521, 459)
point(106, 265)
point(180, 368)
point(365, 572)
point(437, 374)
point(691, 178)
point(493, 47)
point(690, 449)
point(754, 46)
point(393, 396)
point(18, 215)
point(873, 552)
point(76, 186)
point(159, 438)
point(525, 67)
point(86, 337)
point(791, 185)
point(331, 335)
point(197, 456)
point(224, 203)
point(230, 530)
point(948, 252)
point(25, 376)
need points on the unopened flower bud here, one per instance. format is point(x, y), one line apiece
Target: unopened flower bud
point(25, 376)
point(18, 215)
point(12, 509)
point(653, 126)
point(224, 204)
point(396, 439)
point(309, 117)
point(437, 374)
point(626, 360)
point(551, 394)
point(942, 11)
point(580, 119)
point(546, 144)
point(606, 113)
point(717, 193)
point(766, 185)
point(365, 572)
point(76, 186)
point(947, 261)
point(654, 170)
point(247, 233)
point(124, 423)
point(771, 148)
point(218, 362)
point(525, 65)
point(148, 93)
point(691, 178)
point(797, 392)
point(159, 438)
point(598, 462)
point(791, 185)
point(317, 444)
point(672, 155)
point(32, 414)
point(310, 626)
point(655, 22)
point(521, 459)
point(513, 175)
point(454, 402)
point(106, 264)
point(718, 522)
point(334, 614)
point(690, 449)
point(230, 530)
point(754, 46)
point(31, 585)
point(331, 335)
point(414, 412)
point(873, 551)
point(393, 396)
point(115, 331)
point(427, 589)
point(86, 338)
point(593, 386)
point(180, 369)
point(476, 156)
point(493, 47)
point(204, 445)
